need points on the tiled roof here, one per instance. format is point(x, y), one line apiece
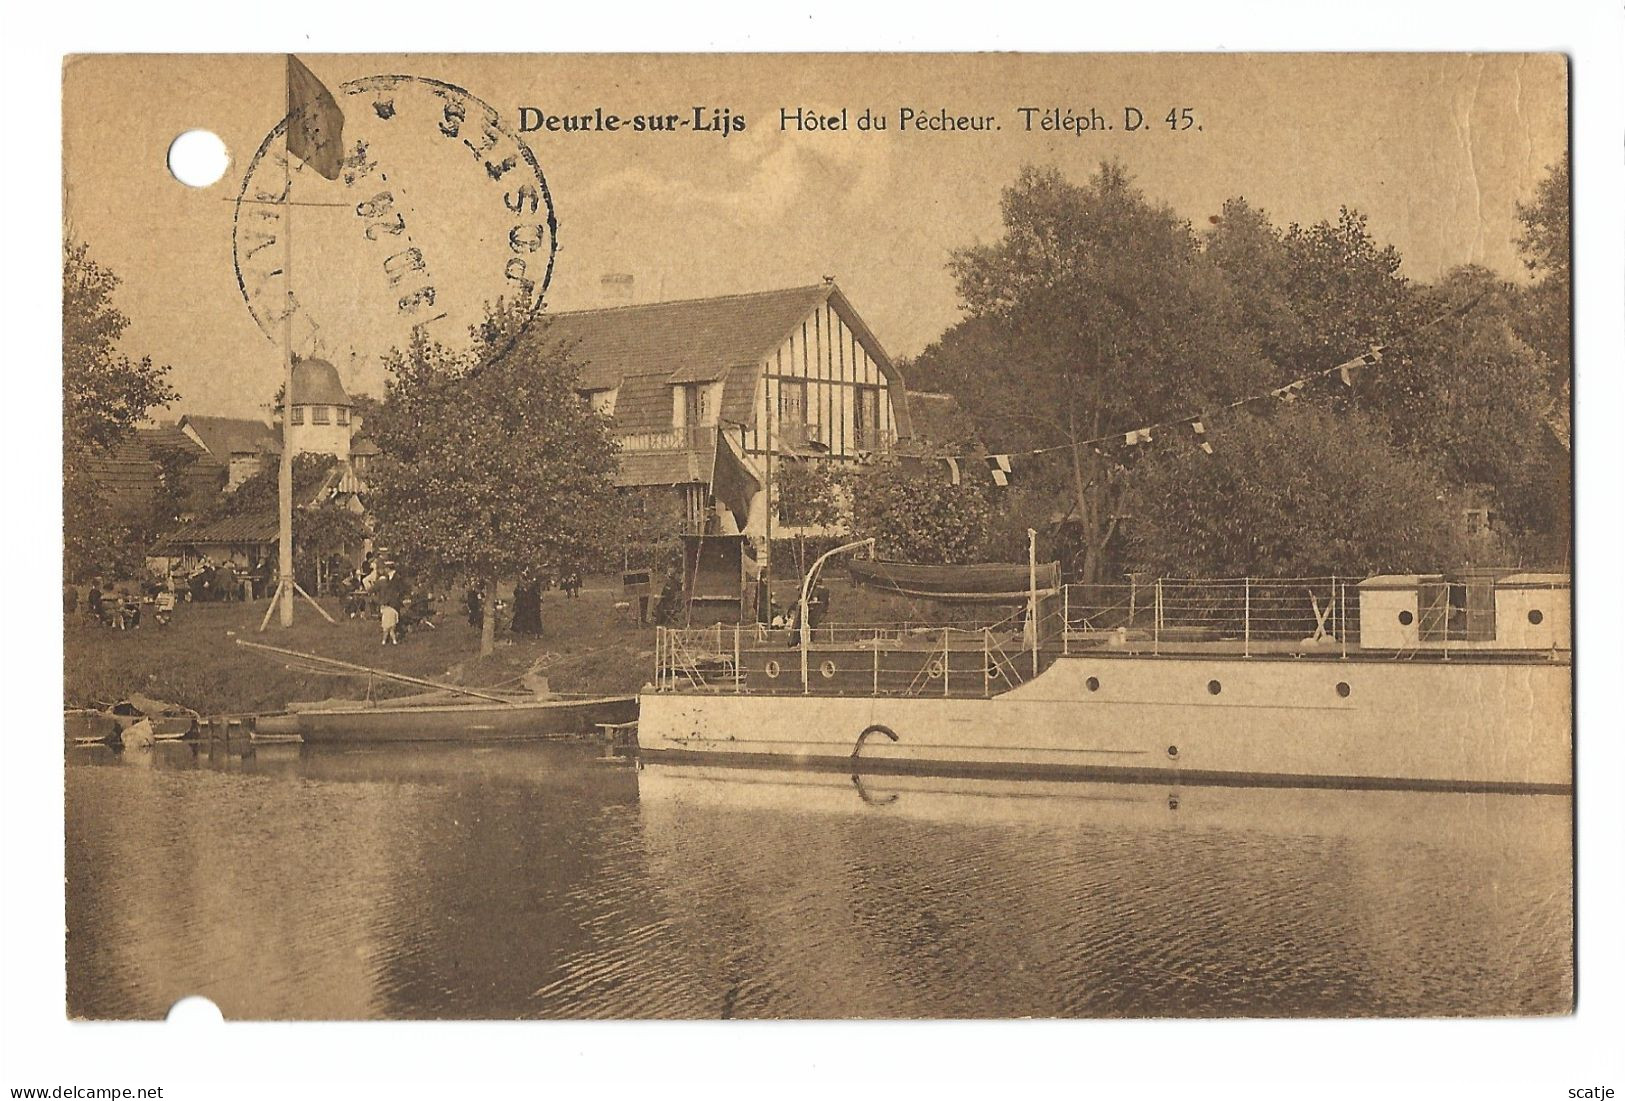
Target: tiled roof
point(316, 382)
point(253, 527)
point(696, 340)
point(642, 351)
point(227, 436)
point(664, 468)
point(128, 473)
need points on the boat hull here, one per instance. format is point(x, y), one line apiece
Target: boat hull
point(464, 722)
point(1468, 726)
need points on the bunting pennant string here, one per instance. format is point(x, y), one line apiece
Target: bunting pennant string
point(999, 466)
point(1200, 432)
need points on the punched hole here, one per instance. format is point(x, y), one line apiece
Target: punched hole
point(194, 1009)
point(198, 158)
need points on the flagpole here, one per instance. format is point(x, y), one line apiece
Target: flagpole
point(285, 473)
point(768, 440)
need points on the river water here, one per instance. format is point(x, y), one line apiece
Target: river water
point(521, 881)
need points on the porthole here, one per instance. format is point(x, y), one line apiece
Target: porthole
point(772, 670)
point(1214, 688)
point(1535, 616)
point(1406, 619)
point(827, 669)
point(1173, 751)
point(1343, 689)
point(1093, 684)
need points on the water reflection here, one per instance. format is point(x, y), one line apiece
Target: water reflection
point(537, 880)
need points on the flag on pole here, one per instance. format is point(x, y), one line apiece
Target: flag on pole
point(953, 470)
point(999, 465)
point(315, 123)
point(1200, 432)
point(1289, 392)
point(734, 482)
point(1345, 371)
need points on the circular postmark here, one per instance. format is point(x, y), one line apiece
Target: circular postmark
point(435, 212)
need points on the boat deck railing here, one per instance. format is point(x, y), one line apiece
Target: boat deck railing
point(1245, 615)
point(1238, 617)
point(896, 659)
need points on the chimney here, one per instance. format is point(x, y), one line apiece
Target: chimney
point(616, 289)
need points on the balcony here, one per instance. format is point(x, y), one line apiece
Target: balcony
point(690, 437)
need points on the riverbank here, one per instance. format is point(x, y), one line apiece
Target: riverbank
point(588, 645)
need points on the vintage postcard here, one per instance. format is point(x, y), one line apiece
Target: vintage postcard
point(818, 536)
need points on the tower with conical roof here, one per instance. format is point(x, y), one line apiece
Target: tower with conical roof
point(320, 410)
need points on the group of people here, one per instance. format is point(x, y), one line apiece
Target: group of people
point(122, 608)
point(206, 581)
point(380, 584)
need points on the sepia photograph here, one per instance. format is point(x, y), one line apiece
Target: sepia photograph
point(808, 536)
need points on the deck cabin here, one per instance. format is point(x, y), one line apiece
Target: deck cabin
point(1476, 610)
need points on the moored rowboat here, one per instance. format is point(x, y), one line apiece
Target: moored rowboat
point(472, 721)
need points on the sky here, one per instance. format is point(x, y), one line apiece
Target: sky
point(1436, 149)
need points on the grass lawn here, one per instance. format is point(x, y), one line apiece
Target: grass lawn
point(587, 646)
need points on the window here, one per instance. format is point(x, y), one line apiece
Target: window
point(866, 418)
point(298, 415)
point(343, 412)
point(319, 414)
point(793, 402)
point(696, 403)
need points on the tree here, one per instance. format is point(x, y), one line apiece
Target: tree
point(493, 468)
point(919, 516)
point(1311, 296)
point(105, 394)
point(321, 532)
point(1545, 246)
point(1545, 318)
point(1305, 489)
point(1095, 310)
point(807, 494)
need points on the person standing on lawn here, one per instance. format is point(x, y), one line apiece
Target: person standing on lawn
point(391, 592)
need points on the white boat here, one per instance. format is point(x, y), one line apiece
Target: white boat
point(1428, 682)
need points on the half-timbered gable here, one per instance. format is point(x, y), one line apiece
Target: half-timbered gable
point(794, 372)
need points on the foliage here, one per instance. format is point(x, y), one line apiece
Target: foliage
point(1300, 491)
point(104, 395)
point(1098, 312)
point(1312, 296)
point(1544, 321)
point(1545, 241)
point(1094, 310)
point(919, 516)
point(807, 493)
point(259, 491)
point(322, 531)
point(95, 542)
point(492, 466)
point(648, 522)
